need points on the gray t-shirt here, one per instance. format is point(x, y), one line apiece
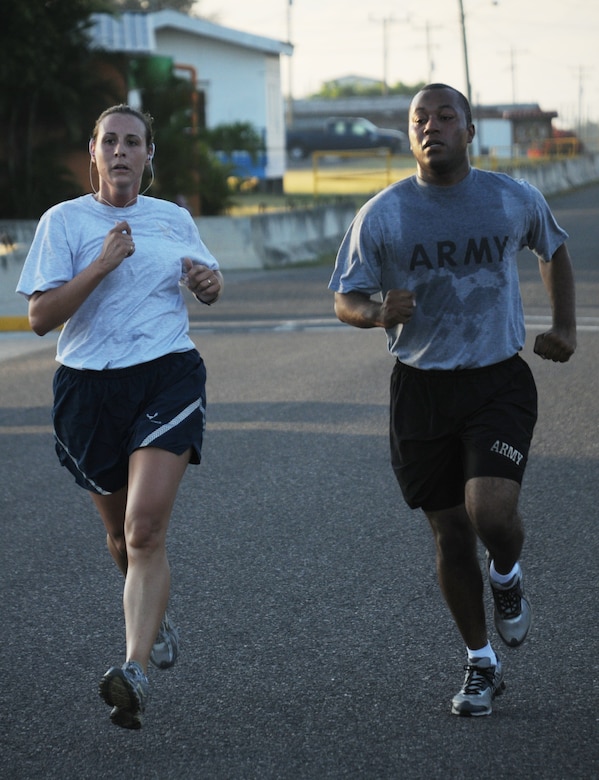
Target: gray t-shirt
point(137, 313)
point(456, 249)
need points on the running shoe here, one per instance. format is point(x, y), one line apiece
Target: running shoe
point(125, 689)
point(483, 682)
point(165, 649)
point(512, 612)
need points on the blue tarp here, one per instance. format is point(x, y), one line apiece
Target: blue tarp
point(245, 165)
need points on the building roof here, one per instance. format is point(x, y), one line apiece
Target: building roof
point(523, 115)
point(515, 112)
point(130, 32)
point(206, 29)
point(136, 32)
point(356, 105)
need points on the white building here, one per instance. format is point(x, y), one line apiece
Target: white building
point(239, 73)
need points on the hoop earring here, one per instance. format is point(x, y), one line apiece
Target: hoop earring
point(91, 184)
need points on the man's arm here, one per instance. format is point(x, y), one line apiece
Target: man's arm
point(559, 343)
point(361, 311)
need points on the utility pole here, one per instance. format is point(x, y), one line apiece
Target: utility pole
point(429, 53)
point(465, 50)
point(289, 111)
point(580, 119)
point(430, 64)
point(386, 21)
point(580, 91)
point(513, 53)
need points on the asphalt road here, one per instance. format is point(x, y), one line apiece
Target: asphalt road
point(315, 643)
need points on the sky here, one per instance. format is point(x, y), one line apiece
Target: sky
point(524, 51)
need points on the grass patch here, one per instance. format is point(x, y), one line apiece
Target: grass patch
point(330, 182)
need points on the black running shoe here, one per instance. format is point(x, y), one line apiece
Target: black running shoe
point(125, 689)
point(483, 682)
point(512, 613)
point(165, 649)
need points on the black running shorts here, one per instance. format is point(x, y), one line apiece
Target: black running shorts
point(102, 417)
point(449, 426)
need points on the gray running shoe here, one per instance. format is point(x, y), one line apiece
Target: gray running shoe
point(125, 689)
point(483, 682)
point(512, 612)
point(165, 650)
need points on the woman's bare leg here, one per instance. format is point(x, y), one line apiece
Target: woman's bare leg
point(154, 478)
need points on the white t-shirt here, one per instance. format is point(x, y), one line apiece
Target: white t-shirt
point(456, 249)
point(137, 313)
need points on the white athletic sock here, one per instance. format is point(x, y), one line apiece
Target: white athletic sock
point(484, 652)
point(503, 579)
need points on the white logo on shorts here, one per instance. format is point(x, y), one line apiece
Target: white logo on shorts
point(507, 451)
point(152, 418)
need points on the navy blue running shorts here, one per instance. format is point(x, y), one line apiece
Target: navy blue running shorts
point(449, 426)
point(102, 417)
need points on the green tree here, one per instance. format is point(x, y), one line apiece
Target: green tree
point(50, 93)
point(185, 163)
point(168, 100)
point(238, 136)
point(213, 182)
point(147, 6)
point(333, 90)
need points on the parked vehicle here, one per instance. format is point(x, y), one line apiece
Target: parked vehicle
point(341, 134)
